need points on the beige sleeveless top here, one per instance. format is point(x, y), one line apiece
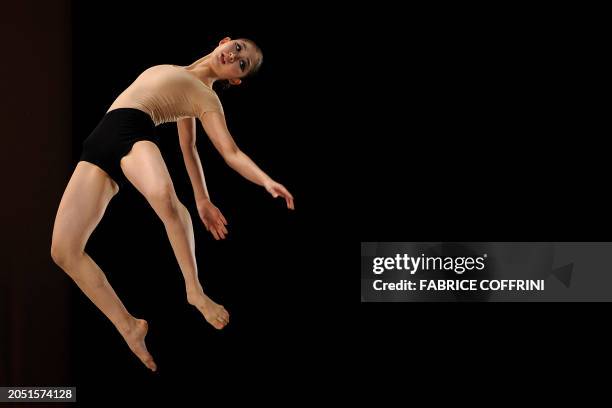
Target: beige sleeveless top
point(168, 93)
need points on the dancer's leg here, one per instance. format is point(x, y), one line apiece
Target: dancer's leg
point(145, 168)
point(82, 206)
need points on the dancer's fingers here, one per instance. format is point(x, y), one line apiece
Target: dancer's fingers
point(222, 227)
point(214, 233)
point(220, 233)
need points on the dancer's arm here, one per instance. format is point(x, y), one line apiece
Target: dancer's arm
point(216, 128)
point(187, 139)
point(212, 218)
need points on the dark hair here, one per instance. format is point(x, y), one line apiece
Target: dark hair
point(257, 66)
point(225, 84)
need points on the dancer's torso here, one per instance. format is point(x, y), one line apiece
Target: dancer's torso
point(168, 93)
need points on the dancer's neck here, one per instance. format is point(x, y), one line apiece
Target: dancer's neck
point(202, 70)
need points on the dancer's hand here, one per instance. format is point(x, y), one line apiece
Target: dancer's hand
point(277, 189)
point(212, 218)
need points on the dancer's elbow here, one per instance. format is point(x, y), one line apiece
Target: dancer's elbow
point(230, 155)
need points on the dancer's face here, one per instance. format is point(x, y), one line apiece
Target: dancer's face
point(233, 59)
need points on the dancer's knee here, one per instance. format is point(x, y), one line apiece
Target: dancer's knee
point(164, 201)
point(64, 254)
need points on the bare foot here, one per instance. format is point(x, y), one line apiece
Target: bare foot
point(134, 336)
point(214, 314)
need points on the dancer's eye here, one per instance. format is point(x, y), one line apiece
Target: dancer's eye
point(242, 65)
point(238, 47)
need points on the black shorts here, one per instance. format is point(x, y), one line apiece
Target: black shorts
point(114, 137)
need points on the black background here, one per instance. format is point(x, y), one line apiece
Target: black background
point(487, 125)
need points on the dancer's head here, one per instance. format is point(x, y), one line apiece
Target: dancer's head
point(236, 59)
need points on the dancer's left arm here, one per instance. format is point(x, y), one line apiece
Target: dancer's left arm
point(213, 219)
point(216, 128)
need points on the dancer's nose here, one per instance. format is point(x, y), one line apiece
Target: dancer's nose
point(231, 57)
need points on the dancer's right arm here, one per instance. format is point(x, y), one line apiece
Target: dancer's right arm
point(187, 139)
point(211, 216)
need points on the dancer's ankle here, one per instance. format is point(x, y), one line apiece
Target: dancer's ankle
point(194, 291)
point(126, 325)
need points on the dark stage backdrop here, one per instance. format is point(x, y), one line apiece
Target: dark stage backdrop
point(490, 129)
point(487, 125)
point(35, 74)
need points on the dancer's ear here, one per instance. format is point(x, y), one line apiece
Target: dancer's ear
point(223, 41)
point(235, 81)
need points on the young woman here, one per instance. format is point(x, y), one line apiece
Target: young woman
point(123, 148)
